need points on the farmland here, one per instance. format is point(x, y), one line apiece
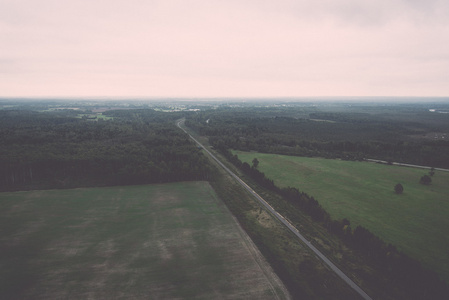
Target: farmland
point(162, 241)
point(415, 221)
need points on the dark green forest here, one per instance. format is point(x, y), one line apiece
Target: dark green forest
point(406, 134)
point(58, 150)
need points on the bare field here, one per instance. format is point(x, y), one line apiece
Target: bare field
point(170, 241)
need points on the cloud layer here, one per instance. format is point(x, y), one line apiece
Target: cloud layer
point(224, 48)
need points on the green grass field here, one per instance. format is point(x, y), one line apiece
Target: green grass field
point(417, 222)
point(170, 241)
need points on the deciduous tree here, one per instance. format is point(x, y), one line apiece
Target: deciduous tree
point(425, 180)
point(398, 188)
point(255, 163)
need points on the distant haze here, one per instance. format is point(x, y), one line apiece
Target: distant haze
point(228, 48)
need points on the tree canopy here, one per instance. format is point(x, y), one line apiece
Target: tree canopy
point(255, 163)
point(50, 150)
point(398, 188)
point(426, 180)
point(396, 135)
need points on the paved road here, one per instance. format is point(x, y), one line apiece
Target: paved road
point(283, 220)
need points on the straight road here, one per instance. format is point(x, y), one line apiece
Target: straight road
point(283, 220)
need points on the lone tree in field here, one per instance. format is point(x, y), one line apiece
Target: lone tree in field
point(255, 163)
point(432, 171)
point(425, 180)
point(398, 188)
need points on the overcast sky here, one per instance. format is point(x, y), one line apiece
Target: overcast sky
point(227, 48)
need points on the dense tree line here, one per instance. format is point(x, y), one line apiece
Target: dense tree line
point(43, 149)
point(398, 269)
point(352, 136)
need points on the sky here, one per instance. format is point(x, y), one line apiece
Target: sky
point(227, 48)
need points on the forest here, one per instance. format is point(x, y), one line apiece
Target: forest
point(57, 149)
point(399, 133)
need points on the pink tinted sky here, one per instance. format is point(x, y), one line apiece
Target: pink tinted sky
point(228, 48)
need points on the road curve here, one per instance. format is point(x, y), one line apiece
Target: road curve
point(283, 220)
